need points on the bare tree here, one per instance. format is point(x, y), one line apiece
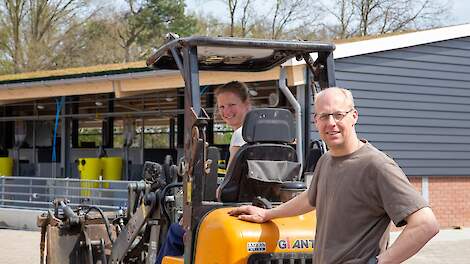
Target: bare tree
point(342, 10)
point(36, 29)
point(12, 19)
point(412, 15)
point(209, 25)
point(287, 12)
point(245, 18)
point(95, 43)
point(146, 21)
point(47, 34)
point(130, 27)
point(368, 13)
point(50, 23)
point(282, 18)
point(367, 17)
point(239, 10)
point(232, 7)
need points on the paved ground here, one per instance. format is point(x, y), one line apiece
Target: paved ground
point(449, 246)
point(19, 247)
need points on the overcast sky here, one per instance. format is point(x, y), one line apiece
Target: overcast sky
point(460, 9)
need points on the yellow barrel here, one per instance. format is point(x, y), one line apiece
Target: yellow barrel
point(6, 166)
point(90, 169)
point(112, 169)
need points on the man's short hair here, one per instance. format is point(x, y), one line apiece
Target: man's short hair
point(348, 97)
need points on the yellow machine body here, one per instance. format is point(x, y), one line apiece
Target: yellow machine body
point(173, 260)
point(226, 240)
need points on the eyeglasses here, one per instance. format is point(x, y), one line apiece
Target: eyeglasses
point(337, 116)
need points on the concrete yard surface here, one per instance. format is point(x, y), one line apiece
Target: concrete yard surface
point(448, 246)
point(19, 247)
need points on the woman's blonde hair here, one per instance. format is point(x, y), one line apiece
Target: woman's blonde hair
point(238, 88)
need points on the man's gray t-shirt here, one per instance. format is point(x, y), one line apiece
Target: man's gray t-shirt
point(355, 197)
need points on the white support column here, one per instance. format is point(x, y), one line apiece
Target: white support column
point(425, 188)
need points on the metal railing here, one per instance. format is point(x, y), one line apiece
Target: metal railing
point(38, 193)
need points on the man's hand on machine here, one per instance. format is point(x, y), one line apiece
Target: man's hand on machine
point(250, 213)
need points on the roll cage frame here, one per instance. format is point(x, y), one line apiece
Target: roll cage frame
point(193, 54)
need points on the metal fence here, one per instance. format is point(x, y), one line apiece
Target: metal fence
point(38, 193)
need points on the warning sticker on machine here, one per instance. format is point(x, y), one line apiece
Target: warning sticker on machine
point(256, 246)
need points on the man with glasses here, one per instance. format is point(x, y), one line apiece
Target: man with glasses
point(356, 191)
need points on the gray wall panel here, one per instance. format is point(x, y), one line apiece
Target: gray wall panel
point(395, 103)
point(426, 146)
point(425, 114)
point(436, 171)
point(410, 130)
point(410, 64)
point(424, 57)
point(364, 85)
point(453, 43)
point(385, 78)
point(431, 155)
point(414, 104)
point(434, 163)
point(412, 97)
point(404, 72)
point(415, 138)
point(413, 122)
point(442, 50)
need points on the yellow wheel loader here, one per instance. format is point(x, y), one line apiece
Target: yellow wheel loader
point(272, 167)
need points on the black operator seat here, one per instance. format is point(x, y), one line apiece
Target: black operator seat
point(316, 149)
point(265, 161)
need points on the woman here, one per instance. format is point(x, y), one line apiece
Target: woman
point(233, 102)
